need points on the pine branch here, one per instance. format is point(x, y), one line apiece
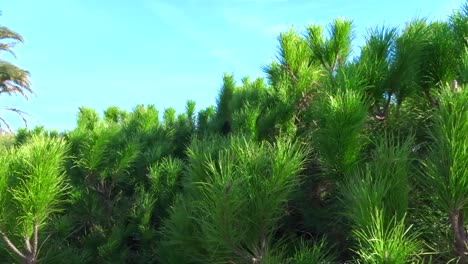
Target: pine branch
point(36, 238)
point(27, 245)
point(291, 73)
point(12, 246)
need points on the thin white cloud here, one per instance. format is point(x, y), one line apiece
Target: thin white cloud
point(177, 19)
point(256, 24)
point(268, 20)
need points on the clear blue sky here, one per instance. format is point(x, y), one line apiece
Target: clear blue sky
point(124, 52)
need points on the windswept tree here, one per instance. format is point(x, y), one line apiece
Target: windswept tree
point(13, 80)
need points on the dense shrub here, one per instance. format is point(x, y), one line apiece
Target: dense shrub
point(329, 159)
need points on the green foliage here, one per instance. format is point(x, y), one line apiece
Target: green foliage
point(32, 187)
point(463, 68)
point(295, 68)
point(459, 26)
point(445, 171)
point(382, 184)
point(205, 120)
point(237, 201)
point(224, 105)
point(376, 201)
point(169, 117)
point(165, 182)
point(339, 138)
point(23, 135)
point(39, 181)
point(440, 61)
point(312, 164)
point(6, 160)
point(404, 69)
point(331, 52)
point(190, 114)
point(383, 243)
point(6, 140)
point(245, 121)
point(142, 119)
point(87, 118)
point(315, 253)
point(115, 114)
point(375, 60)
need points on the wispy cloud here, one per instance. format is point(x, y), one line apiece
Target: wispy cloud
point(256, 24)
point(176, 18)
point(271, 17)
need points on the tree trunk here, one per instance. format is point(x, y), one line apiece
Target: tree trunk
point(30, 259)
point(429, 97)
point(30, 256)
point(458, 229)
point(387, 105)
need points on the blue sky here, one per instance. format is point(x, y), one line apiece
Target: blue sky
point(163, 52)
